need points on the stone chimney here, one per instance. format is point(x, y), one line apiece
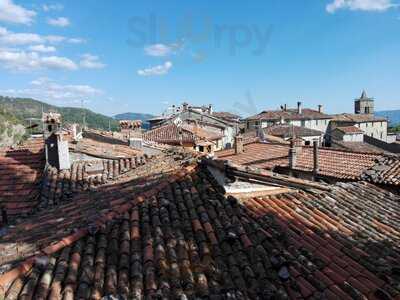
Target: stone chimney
point(321, 108)
point(74, 129)
point(294, 150)
point(57, 151)
point(239, 144)
point(316, 159)
point(185, 106)
point(299, 108)
point(136, 143)
point(210, 109)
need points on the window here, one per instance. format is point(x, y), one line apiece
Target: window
point(316, 122)
point(307, 143)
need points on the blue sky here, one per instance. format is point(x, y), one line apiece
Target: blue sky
point(241, 56)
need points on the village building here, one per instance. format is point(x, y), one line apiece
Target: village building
point(363, 118)
point(301, 117)
point(189, 136)
point(181, 226)
point(270, 218)
point(307, 162)
point(286, 132)
point(200, 117)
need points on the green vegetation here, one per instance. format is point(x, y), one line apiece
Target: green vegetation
point(395, 129)
point(11, 131)
point(24, 108)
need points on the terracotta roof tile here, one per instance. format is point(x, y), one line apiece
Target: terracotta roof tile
point(187, 240)
point(386, 170)
point(290, 114)
point(21, 169)
point(332, 162)
point(349, 129)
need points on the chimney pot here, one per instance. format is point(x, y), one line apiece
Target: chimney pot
point(320, 108)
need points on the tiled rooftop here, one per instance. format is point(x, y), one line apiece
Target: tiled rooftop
point(349, 129)
point(75, 211)
point(332, 162)
point(286, 131)
point(185, 240)
point(187, 133)
point(356, 146)
point(290, 114)
point(103, 149)
point(385, 171)
point(21, 169)
point(357, 118)
point(169, 134)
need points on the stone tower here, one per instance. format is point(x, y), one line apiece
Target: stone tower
point(364, 105)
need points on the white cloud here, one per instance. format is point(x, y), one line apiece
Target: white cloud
point(161, 50)
point(47, 89)
point(27, 61)
point(10, 38)
point(12, 13)
point(76, 41)
point(157, 70)
point(90, 61)
point(42, 48)
point(362, 5)
point(59, 22)
point(50, 7)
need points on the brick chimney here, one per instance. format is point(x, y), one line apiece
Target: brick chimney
point(299, 107)
point(321, 108)
point(238, 144)
point(316, 159)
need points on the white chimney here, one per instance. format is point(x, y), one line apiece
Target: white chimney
point(299, 107)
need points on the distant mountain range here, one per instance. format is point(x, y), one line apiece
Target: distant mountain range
point(392, 115)
point(24, 108)
point(135, 116)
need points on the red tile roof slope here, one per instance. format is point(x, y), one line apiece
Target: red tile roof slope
point(356, 146)
point(169, 134)
point(100, 149)
point(82, 210)
point(188, 241)
point(286, 131)
point(290, 114)
point(349, 129)
point(60, 186)
point(358, 118)
point(332, 162)
point(21, 170)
